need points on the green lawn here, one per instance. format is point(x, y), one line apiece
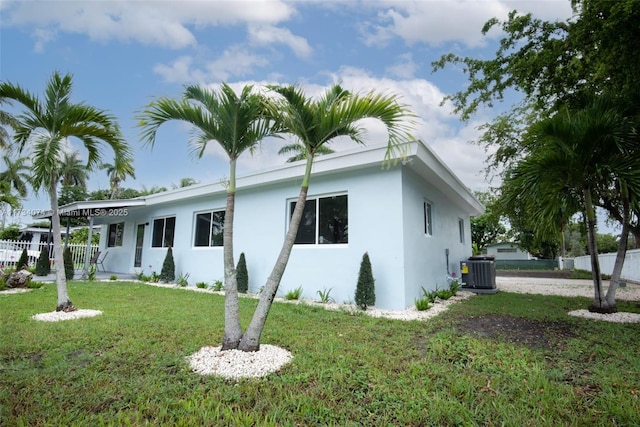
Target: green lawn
point(504, 359)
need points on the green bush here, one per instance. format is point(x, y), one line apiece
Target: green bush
point(294, 294)
point(23, 261)
point(68, 263)
point(168, 272)
point(43, 266)
point(113, 277)
point(183, 280)
point(217, 285)
point(325, 296)
point(365, 289)
point(422, 304)
point(242, 275)
point(202, 285)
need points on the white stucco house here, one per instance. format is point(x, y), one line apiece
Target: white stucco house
point(412, 219)
point(507, 251)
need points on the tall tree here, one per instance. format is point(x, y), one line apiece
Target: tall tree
point(118, 172)
point(487, 228)
point(570, 156)
point(16, 177)
point(73, 172)
point(237, 123)
point(299, 151)
point(184, 182)
point(6, 121)
point(43, 128)
point(315, 123)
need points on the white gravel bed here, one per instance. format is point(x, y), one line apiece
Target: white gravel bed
point(56, 316)
point(236, 364)
point(15, 291)
point(562, 287)
point(619, 317)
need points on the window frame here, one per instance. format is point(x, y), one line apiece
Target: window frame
point(316, 198)
point(118, 235)
point(164, 232)
point(461, 229)
point(427, 212)
point(211, 212)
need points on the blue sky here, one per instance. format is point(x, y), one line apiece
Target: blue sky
point(122, 54)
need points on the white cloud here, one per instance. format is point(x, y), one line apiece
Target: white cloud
point(437, 22)
point(236, 61)
point(405, 68)
point(268, 35)
point(162, 23)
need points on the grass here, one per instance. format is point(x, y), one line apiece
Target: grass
point(127, 366)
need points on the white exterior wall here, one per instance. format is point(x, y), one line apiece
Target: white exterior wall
point(386, 220)
point(630, 269)
point(425, 260)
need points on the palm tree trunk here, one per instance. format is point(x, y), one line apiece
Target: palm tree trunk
point(599, 301)
point(251, 338)
point(622, 251)
point(64, 303)
point(232, 327)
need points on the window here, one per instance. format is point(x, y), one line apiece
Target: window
point(428, 221)
point(507, 250)
point(209, 228)
point(461, 228)
point(325, 220)
point(115, 234)
point(163, 230)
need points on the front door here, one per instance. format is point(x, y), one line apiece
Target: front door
point(137, 262)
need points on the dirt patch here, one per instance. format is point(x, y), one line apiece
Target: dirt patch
point(516, 330)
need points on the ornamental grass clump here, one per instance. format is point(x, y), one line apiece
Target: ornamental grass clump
point(365, 289)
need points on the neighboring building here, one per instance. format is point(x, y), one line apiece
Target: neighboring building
point(507, 251)
point(412, 219)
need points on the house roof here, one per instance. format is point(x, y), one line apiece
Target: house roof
point(417, 156)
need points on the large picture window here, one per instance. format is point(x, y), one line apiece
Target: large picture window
point(428, 218)
point(325, 220)
point(115, 234)
point(163, 232)
point(209, 229)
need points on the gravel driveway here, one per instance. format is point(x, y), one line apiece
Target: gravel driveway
point(562, 287)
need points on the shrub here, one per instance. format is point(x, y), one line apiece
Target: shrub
point(43, 266)
point(3, 283)
point(202, 285)
point(168, 272)
point(113, 277)
point(325, 296)
point(422, 304)
point(365, 289)
point(217, 285)
point(23, 261)
point(294, 294)
point(68, 263)
point(183, 280)
point(242, 275)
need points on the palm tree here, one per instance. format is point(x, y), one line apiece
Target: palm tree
point(16, 174)
point(43, 129)
point(237, 123)
point(184, 182)
point(6, 119)
point(301, 151)
point(152, 190)
point(118, 172)
point(72, 171)
point(315, 123)
point(573, 156)
point(16, 177)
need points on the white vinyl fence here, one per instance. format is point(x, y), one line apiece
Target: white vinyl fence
point(11, 250)
point(630, 270)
